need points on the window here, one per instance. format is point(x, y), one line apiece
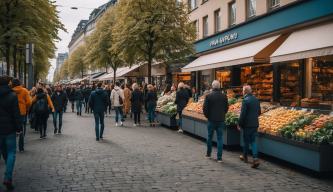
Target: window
point(217, 20)
point(250, 8)
point(272, 4)
point(205, 26)
point(192, 4)
point(196, 26)
point(232, 13)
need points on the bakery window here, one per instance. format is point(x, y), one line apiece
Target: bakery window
point(223, 76)
point(321, 83)
point(290, 83)
point(260, 78)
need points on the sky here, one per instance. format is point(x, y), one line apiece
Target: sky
point(70, 18)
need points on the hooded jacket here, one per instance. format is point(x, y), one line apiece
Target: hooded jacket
point(115, 94)
point(98, 100)
point(24, 99)
point(9, 112)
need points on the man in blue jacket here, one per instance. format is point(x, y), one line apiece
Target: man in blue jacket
point(249, 123)
point(98, 102)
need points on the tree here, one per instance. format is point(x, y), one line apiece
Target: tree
point(152, 30)
point(28, 21)
point(77, 64)
point(101, 54)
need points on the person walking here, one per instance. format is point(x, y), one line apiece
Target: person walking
point(182, 97)
point(32, 115)
point(117, 99)
point(79, 99)
point(24, 100)
point(98, 102)
point(215, 107)
point(71, 97)
point(127, 100)
point(86, 94)
point(136, 103)
point(151, 100)
point(249, 123)
point(59, 100)
point(42, 103)
point(108, 90)
point(10, 126)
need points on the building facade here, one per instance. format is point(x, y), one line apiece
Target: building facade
point(282, 48)
point(60, 60)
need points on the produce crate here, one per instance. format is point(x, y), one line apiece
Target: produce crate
point(318, 158)
point(198, 127)
point(166, 120)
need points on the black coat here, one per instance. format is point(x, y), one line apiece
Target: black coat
point(71, 96)
point(79, 95)
point(98, 100)
point(151, 98)
point(249, 117)
point(10, 119)
point(182, 98)
point(59, 101)
point(216, 106)
point(136, 101)
point(86, 93)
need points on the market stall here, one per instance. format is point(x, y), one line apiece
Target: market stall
point(167, 110)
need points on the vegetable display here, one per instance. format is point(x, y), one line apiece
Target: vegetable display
point(170, 109)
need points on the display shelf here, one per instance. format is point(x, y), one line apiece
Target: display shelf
point(166, 120)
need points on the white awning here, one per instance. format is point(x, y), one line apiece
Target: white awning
point(312, 42)
point(121, 72)
point(234, 56)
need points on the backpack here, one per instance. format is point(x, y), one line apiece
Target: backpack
point(41, 106)
point(120, 99)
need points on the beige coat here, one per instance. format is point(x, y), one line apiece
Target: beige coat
point(127, 100)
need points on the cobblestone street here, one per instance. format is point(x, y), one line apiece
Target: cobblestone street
point(141, 159)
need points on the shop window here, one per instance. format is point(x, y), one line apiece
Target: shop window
point(322, 84)
point(217, 20)
point(289, 87)
point(205, 26)
point(273, 4)
point(260, 78)
point(250, 8)
point(196, 26)
point(232, 13)
point(224, 77)
point(192, 4)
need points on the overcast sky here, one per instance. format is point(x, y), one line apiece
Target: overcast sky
point(70, 18)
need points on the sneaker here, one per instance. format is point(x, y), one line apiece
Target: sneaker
point(219, 161)
point(59, 132)
point(121, 124)
point(116, 124)
point(255, 163)
point(208, 157)
point(243, 158)
point(134, 125)
point(55, 131)
point(101, 138)
point(9, 185)
point(180, 131)
point(97, 139)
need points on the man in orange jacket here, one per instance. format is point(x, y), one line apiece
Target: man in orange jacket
point(24, 105)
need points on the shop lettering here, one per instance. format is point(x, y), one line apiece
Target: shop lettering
point(224, 39)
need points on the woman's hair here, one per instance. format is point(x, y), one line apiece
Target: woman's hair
point(167, 88)
point(150, 87)
point(135, 86)
point(181, 85)
point(40, 90)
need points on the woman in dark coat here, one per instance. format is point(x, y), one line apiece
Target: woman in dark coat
point(71, 97)
point(151, 100)
point(136, 103)
point(182, 97)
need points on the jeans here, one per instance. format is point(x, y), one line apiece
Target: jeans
point(79, 106)
point(41, 124)
point(24, 127)
point(99, 120)
point(218, 126)
point(72, 105)
point(136, 117)
point(8, 142)
point(119, 113)
point(249, 137)
point(180, 123)
point(55, 117)
point(151, 113)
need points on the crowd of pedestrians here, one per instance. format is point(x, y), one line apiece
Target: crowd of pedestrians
point(18, 105)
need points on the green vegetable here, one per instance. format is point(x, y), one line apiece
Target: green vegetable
point(289, 131)
point(323, 135)
point(232, 101)
point(231, 119)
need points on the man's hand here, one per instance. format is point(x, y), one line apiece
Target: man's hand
point(53, 110)
point(238, 128)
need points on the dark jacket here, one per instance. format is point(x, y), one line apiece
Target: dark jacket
point(86, 93)
point(98, 100)
point(71, 96)
point(151, 98)
point(216, 106)
point(250, 112)
point(79, 95)
point(59, 100)
point(182, 98)
point(10, 120)
point(136, 101)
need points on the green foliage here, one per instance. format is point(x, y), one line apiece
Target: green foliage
point(170, 109)
point(231, 119)
point(289, 131)
point(77, 64)
point(152, 30)
point(232, 101)
point(323, 135)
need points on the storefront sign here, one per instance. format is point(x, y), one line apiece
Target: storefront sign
point(223, 39)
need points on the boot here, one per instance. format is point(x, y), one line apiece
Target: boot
point(243, 158)
point(255, 163)
point(55, 130)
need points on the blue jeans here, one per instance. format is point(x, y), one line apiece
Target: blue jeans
point(99, 120)
point(119, 113)
point(55, 117)
point(78, 106)
point(180, 123)
point(151, 113)
point(249, 137)
point(24, 128)
point(218, 127)
point(8, 142)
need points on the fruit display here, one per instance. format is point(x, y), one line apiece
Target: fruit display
point(170, 109)
point(165, 99)
point(289, 131)
point(235, 108)
point(195, 107)
point(323, 135)
point(232, 101)
point(273, 121)
point(316, 125)
point(266, 106)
